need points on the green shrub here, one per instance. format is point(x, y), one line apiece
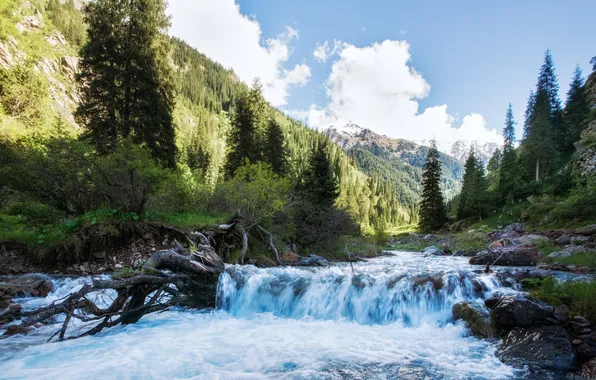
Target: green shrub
point(578, 295)
point(33, 211)
point(578, 206)
point(24, 94)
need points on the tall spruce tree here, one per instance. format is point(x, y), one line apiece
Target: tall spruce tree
point(246, 138)
point(126, 82)
point(319, 183)
point(432, 214)
point(508, 170)
point(473, 193)
point(276, 151)
point(576, 111)
point(544, 129)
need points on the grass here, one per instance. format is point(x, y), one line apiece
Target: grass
point(189, 220)
point(578, 295)
point(579, 259)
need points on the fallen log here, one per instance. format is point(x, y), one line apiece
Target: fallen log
point(168, 279)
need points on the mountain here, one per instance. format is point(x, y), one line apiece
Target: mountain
point(398, 161)
point(461, 148)
point(39, 44)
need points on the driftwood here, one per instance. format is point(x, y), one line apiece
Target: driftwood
point(169, 279)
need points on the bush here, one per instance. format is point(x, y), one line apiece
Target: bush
point(255, 193)
point(23, 94)
point(578, 295)
point(579, 205)
point(32, 211)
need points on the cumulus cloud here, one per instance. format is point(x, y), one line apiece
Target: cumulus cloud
point(219, 30)
point(376, 87)
point(324, 51)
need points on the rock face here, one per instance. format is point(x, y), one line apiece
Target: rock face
point(548, 347)
point(507, 256)
point(517, 311)
point(476, 317)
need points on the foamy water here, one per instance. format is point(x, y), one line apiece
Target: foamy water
point(378, 321)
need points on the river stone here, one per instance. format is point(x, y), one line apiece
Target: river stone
point(16, 329)
point(575, 249)
point(559, 254)
point(587, 230)
point(579, 240)
point(519, 311)
point(561, 313)
point(507, 256)
point(563, 240)
point(548, 347)
point(585, 346)
point(588, 370)
point(28, 285)
point(531, 239)
point(476, 318)
point(432, 250)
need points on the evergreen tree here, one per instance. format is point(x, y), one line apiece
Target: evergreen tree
point(593, 63)
point(576, 111)
point(276, 151)
point(508, 169)
point(319, 184)
point(245, 141)
point(493, 166)
point(126, 82)
point(432, 214)
point(543, 131)
point(473, 193)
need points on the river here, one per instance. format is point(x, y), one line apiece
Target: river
point(386, 318)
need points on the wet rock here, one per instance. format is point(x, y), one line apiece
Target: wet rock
point(561, 313)
point(585, 346)
point(459, 252)
point(559, 254)
point(432, 250)
point(587, 230)
point(476, 318)
point(519, 311)
point(548, 347)
point(313, 260)
point(588, 370)
point(28, 285)
point(507, 256)
point(16, 329)
point(492, 302)
point(563, 240)
point(436, 281)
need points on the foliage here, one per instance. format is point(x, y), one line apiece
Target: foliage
point(577, 110)
point(23, 94)
point(276, 150)
point(125, 78)
point(432, 208)
point(472, 200)
point(68, 20)
point(255, 193)
point(578, 295)
point(508, 170)
point(579, 205)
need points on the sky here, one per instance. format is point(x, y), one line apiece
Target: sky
point(406, 69)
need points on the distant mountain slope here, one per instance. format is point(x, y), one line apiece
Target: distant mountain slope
point(399, 161)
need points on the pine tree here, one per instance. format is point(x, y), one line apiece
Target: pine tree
point(576, 111)
point(544, 130)
point(126, 82)
point(473, 193)
point(276, 151)
point(246, 140)
point(508, 169)
point(432, 214)
point(319, 184)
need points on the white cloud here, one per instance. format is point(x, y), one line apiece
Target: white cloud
point(219, 30)
point(375, 87)
point(321, 52)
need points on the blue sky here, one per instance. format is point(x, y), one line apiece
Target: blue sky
point(474, 57)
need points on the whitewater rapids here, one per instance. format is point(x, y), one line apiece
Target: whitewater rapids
point(387, 318)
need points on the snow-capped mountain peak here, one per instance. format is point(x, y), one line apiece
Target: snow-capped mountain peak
point(345, 127)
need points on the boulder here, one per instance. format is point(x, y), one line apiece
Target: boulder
point(432, 250)
point(585, 346)
point(548, 347)
point(579, 240)
point(563, 240)
point(531, 239)
point(580, 326)
point(476, 317)
point(575, 249)
point(459, 252)
point(561, 313)
point(28, 285)
point(588, 370)
point(508, 256)
point(559, 254)
point(519, 311)
point(313, 260)
point(587, 230)
point(16, 329)
point(517, 227)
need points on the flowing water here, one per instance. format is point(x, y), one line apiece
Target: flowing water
point(386, 318)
